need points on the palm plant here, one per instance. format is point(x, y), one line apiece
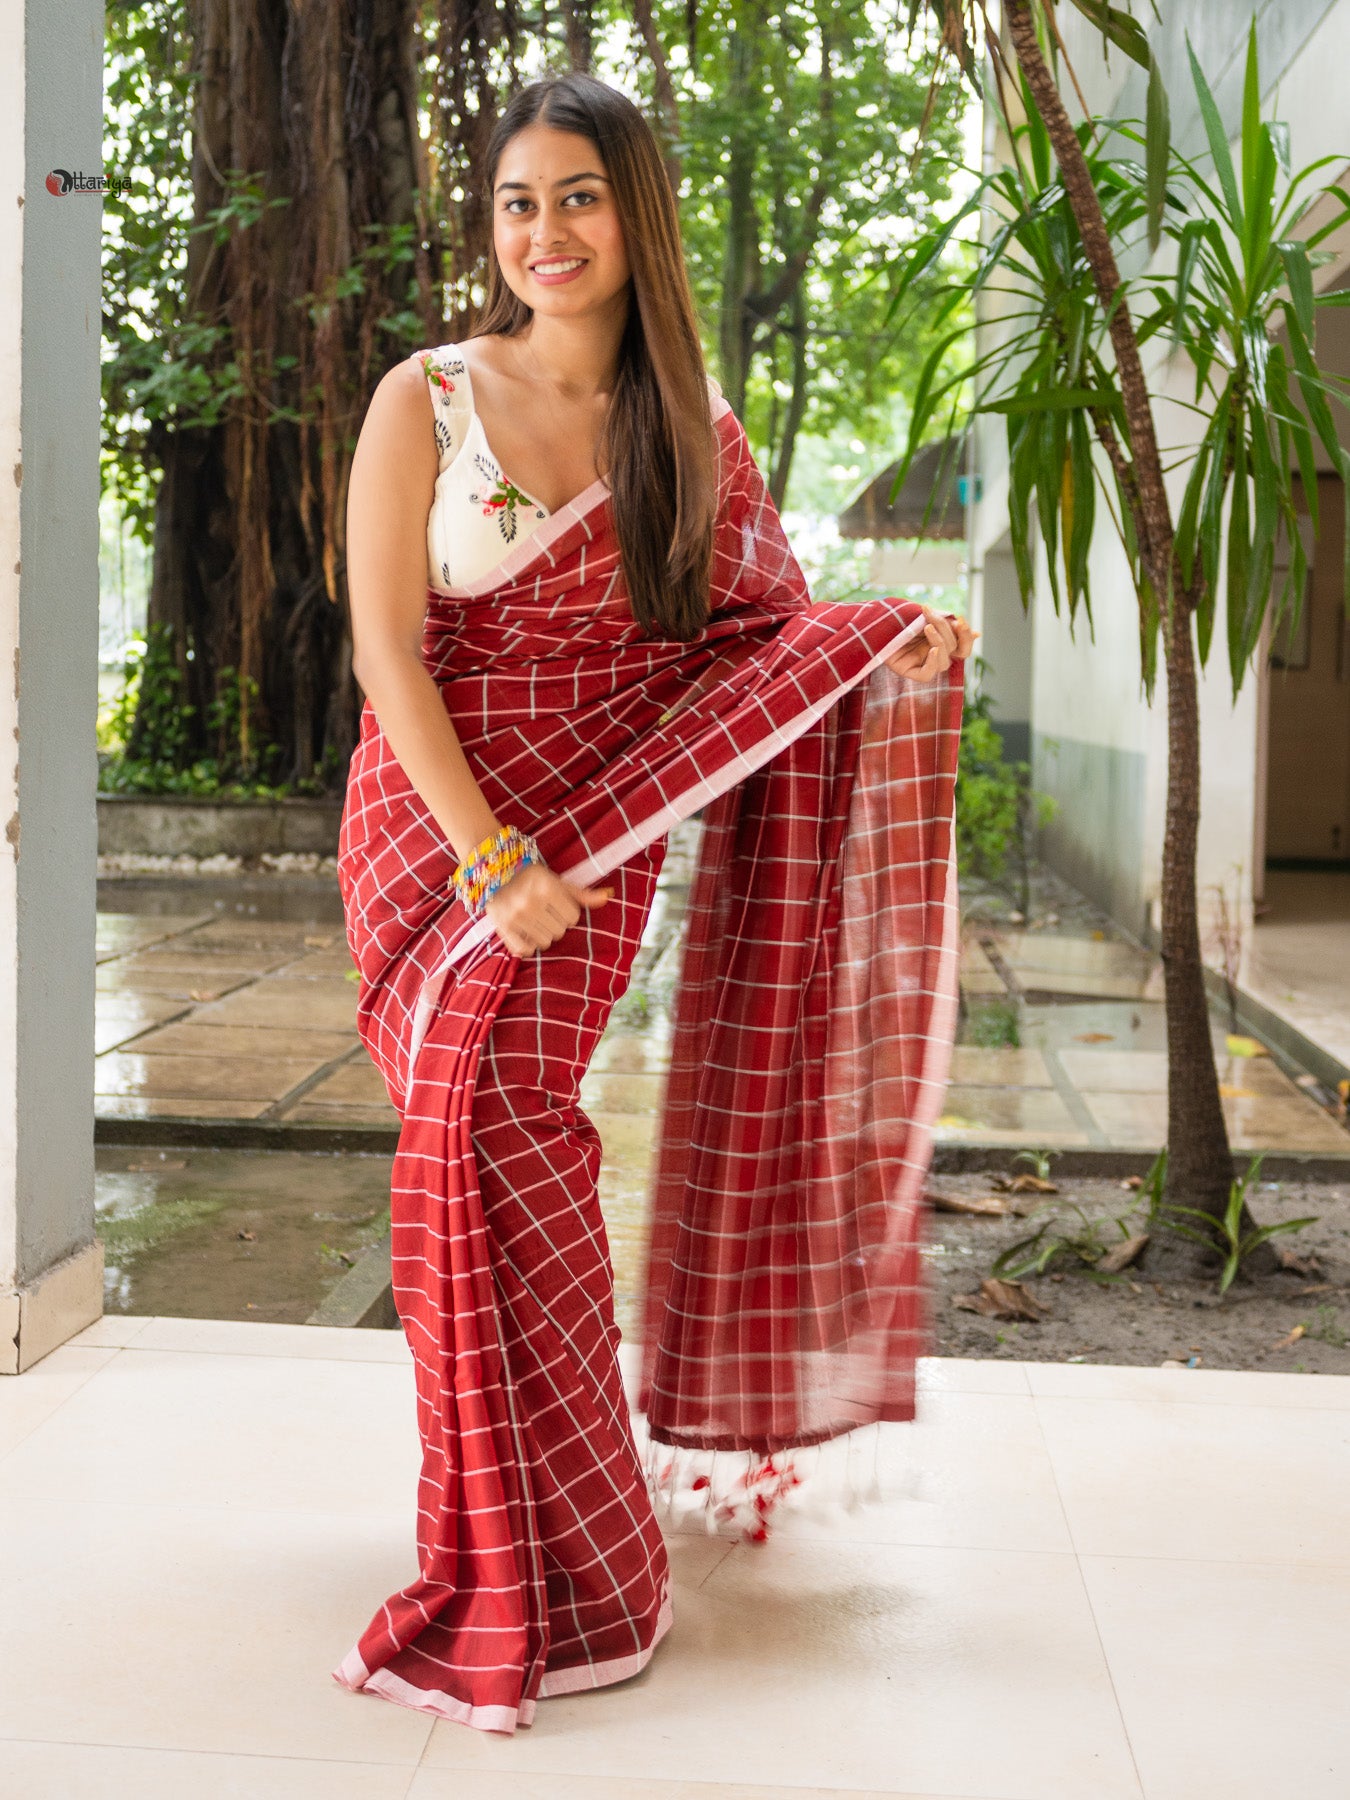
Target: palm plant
point(1234, 295)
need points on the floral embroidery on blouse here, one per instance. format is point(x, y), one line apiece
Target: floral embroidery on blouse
point(503, 499)
point(440, 372)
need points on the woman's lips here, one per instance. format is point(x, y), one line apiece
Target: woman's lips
point(557, 280)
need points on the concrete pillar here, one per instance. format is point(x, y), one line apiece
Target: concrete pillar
point(51, 84)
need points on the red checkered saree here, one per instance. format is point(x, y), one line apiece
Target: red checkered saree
point(813, 1025)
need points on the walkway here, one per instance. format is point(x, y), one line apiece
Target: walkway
point(1299, 959)
point(208, 1017)
point(198, 1518)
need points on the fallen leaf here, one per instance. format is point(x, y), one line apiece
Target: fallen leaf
point(1094, 1037)
point(352, 975)
point(317, 943)
point(1031, 1184)
point(1236, 1093)
point(1133, 1181)
point(1002, 1300)
point(1135, 1288)
point(1292, 1338)
point(1320, 1287)
point(991, 1204)
point(1294, 1264)
point(200, 994)
point(250, 1237)
point(1121, 1255)
point(1245, 1046)
point(954, 1122)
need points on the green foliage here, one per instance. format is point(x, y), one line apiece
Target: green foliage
point(1225, 1234)
point(1235, 297)
point(997, 809)
point(801, 195)
point(988, 795)
point(993, 1024)
point(1066, 1233)
point(146, 732)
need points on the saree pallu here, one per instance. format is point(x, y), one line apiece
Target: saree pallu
point(812, 1031)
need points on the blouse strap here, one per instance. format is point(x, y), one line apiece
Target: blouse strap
point(451, 398)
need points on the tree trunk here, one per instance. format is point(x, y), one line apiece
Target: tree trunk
point(796, 406)
point(667, 106)
point(740, 263)
point(1199, 1161)
point(316, 107)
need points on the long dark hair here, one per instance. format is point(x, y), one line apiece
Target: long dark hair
point(657, 451)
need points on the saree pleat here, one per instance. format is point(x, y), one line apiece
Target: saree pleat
point(783, 1297)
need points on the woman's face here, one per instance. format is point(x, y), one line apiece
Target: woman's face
point(555, 224)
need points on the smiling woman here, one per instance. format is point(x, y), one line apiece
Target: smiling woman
point(635, 645)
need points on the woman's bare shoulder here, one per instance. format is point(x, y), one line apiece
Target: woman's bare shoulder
point(398, 431)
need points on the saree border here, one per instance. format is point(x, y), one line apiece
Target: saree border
point(576, 1678)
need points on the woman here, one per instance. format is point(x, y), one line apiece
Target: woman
point(607, 632)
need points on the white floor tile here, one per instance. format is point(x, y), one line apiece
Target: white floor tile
point(29, 1400)
point(1217, 1483)
point(971, 1375)
point(1232, 1677)
point(1221, 1387)
point(31, 1771)
point(970, 1469)
point(895, 1669)
point(115, 1329)
point(240, 1337)
point(176, 1628)
point(216, 1431)
point(458, 1784)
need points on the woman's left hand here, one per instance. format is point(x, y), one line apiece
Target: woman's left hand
point(946, 639)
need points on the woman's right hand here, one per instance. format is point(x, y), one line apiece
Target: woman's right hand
point(536, 906)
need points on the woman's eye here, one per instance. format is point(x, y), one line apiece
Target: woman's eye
point(519, 203)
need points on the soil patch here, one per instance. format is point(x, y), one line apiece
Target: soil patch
point(1131, 1317)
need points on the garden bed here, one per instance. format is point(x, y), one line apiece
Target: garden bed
point(186, 826)
point(1131, 1317)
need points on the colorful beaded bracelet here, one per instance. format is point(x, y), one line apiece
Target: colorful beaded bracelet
point(486, 870)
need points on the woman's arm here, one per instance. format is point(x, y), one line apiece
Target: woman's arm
point(389, 495)
point(393, 480)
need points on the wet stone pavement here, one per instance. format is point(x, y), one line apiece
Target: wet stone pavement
point(209, 1011)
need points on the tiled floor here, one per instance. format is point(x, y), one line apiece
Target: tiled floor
point(205, 1017)
point(197, 1518)
point(1298, 961)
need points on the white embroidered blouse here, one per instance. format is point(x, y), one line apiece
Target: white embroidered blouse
point(477, 514)
point(479, 520)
